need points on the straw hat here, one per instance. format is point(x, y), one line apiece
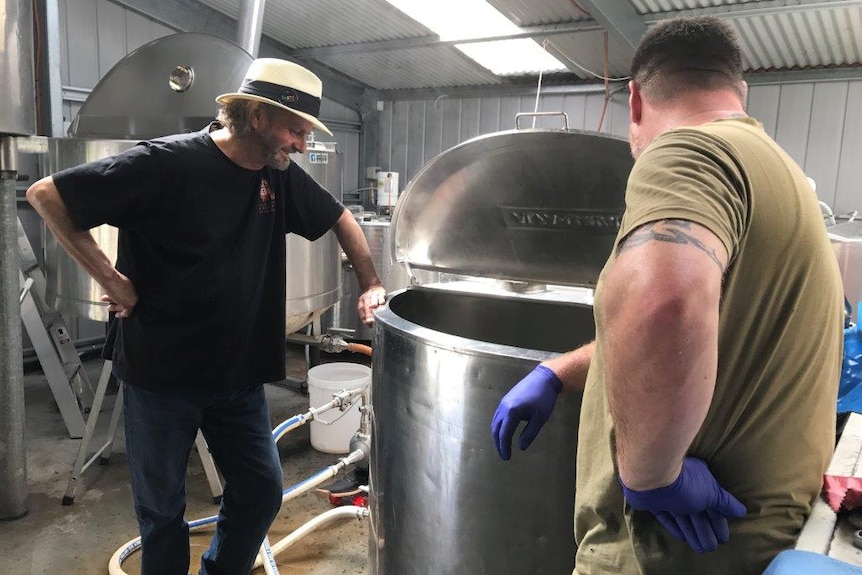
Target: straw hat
point(282, 84)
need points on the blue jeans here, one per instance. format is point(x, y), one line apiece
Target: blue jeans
point(160, 432)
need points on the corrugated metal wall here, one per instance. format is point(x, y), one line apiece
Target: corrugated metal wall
point(818, 123)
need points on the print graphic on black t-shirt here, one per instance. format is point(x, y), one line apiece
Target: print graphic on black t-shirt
point(267, 197)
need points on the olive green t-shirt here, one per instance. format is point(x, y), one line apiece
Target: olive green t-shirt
point(770, 429)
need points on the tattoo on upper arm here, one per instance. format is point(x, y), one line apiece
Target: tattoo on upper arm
point(672, 231)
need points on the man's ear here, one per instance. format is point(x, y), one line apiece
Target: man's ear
point(635, 103)
point(256, 113)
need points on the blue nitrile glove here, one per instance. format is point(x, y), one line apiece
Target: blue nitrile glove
point(531, 400)
point(850, 385)
point(694, 508)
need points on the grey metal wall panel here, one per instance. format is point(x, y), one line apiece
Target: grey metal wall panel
point(794, 114)
point(385, 139)
point(398, 158)
point(825, 133)
point(593, 113)
point(510, 106)
point(415, 140)
point(140, 31)
point(818, 123)
point(470, 111)
point(618, 110)
point(82, 51)
point(848, 194)
point(451, 127)
point(550, 103)
point(576, 107)
point(112, 35)
point(433, 139)
point(489, 116)
point(763, 104)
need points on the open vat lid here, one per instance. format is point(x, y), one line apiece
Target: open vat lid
point(535, 206)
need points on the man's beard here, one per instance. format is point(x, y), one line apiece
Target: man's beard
point(274, 161)
point(272, 152)
point(636, 143)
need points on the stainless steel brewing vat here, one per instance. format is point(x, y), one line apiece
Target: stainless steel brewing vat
point(69, 288)
point(175, 81)
point(344, 319)
point(846, 238)
point(314, 268)
point(535, 213)
point(17, 112)
point(443, 501)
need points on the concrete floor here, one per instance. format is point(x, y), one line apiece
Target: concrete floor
point(80, 539)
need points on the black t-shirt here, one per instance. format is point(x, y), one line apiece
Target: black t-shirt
point(203, 242)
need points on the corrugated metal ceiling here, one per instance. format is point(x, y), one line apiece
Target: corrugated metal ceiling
point(372, 42)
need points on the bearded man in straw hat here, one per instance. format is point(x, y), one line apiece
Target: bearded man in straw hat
point(199, 296)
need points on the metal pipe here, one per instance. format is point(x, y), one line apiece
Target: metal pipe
point(326, 342)
point(13, 457)
point(250, 25)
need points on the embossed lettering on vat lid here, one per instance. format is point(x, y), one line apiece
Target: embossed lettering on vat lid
point(534, 206)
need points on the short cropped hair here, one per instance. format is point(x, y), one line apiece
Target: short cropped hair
point(684, 54)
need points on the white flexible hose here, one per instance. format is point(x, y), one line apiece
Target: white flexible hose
point(121, 554)
point(315, 523)
point(267, 558)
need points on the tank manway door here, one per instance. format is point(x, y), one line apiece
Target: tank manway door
point(532, 206)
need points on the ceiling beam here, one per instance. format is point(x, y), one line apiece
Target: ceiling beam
point(620, 19)
point(192, 16)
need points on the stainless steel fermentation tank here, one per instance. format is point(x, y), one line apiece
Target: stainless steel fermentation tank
point(17, 117)
point(314, 268)
point(344, 320)
point(175, 80)
point(846, 238)
point(534, 214)
point(18, 110)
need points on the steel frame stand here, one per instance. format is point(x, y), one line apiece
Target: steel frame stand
point(312, 358)
point(52, 342)
point(103, 453)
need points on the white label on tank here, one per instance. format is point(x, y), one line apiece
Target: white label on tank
point(318, 158)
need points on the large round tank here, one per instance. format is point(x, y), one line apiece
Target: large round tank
point(69, 288)
point(846, 238)
point(344, 319)
point(443, 502)
point(17, 114)
point(532, 215)
point(314, 268)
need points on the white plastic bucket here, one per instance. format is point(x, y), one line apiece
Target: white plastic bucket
point(331, 431)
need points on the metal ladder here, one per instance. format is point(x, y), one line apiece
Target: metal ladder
point(68, 379)
point(103, 453)
point(52, 342)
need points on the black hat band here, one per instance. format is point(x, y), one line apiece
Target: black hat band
point(290, 97)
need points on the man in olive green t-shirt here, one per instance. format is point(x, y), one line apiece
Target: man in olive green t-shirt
point(708, 416)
